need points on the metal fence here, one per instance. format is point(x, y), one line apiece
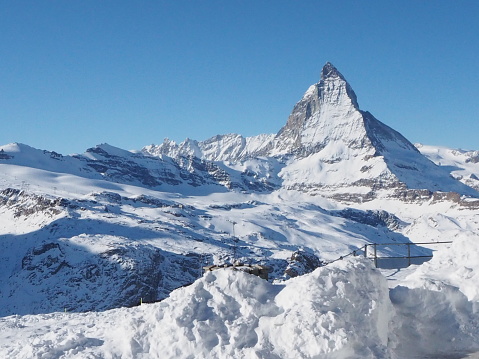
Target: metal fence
point(395, 260)
point(387, 258)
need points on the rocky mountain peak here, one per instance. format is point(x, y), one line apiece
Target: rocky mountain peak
point(327, 130)
point(329, 71)
point(333, 87)
point(327, 112)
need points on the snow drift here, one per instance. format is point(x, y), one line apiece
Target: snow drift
point(343, 310)
point(338, 311)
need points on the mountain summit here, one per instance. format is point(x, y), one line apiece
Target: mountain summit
point(330, 71)
point(326, 110)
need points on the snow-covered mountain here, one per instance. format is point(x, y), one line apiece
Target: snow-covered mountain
point(230, 147)
point(162, 173)
point(112, 228)
point(331, 147)
point(102, 249)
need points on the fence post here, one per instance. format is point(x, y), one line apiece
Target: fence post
point(365, 251)
point(375, 255)
point(408, 254)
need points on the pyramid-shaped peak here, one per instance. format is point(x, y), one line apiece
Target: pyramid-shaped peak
point(330, 72)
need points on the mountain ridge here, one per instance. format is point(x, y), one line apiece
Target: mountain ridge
point(327, 147)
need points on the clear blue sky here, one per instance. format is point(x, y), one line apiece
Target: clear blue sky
point(74, 74)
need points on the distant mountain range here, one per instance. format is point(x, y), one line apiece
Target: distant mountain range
point(329, 147)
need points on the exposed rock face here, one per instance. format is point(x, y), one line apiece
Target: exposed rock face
point(24, 204)
point(372, 218)
point(473, 157)
point(302, 262)
point(71, 278)
point(190, 170)
point(4, 156)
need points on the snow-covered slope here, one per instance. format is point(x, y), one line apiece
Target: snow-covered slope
point(225, 314)
point(185, 174)
point(463, 165)
point(101, 245)
point(104, 249)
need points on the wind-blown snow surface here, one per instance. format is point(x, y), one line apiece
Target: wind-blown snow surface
point(437, 305)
